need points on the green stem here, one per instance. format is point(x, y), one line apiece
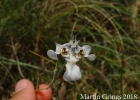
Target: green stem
point(54, 74)
point(8, 72)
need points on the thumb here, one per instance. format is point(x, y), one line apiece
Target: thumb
point(45, 94)
point(24, 90)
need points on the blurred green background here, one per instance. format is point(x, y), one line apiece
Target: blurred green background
point(110, 27)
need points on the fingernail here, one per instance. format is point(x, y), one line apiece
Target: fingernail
point(21, 85)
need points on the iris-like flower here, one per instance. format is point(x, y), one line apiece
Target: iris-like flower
point(72, 52)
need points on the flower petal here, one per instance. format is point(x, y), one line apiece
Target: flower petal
point(72, 72)
point(58, 48)
point(52, 54)
point(86, 49)
point(91, 57)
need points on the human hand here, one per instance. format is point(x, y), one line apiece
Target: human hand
point(24, 90)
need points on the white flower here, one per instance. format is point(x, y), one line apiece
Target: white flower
point(72, 52)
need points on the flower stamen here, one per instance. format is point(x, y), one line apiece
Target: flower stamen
point(64, 52)
point(81, 53)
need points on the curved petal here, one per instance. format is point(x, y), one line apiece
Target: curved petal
point(86, 49)
point(58, 48)
point(52, 54)
point(91, 57)
point(72, 72)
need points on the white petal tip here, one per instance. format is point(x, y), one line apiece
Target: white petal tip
point(58, 48)
point(52, 54)
point(70, 79)
point(87, 50)
point(91, 57)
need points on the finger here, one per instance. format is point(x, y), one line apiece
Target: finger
point(24, 90)
point(45, 94)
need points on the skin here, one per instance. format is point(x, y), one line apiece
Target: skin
point(24, 90)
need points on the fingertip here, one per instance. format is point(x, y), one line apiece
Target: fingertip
point(45, 94)
point(24, 90)
point(21, 85)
